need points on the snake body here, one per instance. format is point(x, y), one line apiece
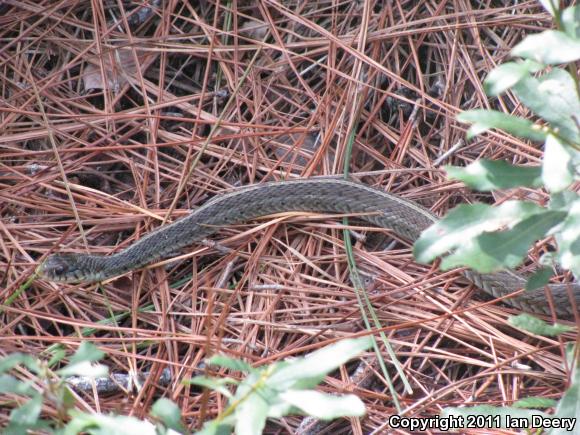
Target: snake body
point(404, 217)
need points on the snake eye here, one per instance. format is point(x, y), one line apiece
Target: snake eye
point(60, 269)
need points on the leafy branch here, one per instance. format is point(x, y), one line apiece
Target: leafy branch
point(487, 238)
point(281, 389)
point(272, 391)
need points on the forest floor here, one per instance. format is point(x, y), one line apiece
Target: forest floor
point(116, 118)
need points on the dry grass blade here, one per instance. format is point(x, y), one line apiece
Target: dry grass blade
point(129, 93)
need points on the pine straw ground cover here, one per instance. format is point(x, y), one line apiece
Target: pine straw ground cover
point(115, 118)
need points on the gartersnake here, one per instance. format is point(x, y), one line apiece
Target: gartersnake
point(404, 217)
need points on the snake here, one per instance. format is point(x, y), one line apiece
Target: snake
point(404, 217)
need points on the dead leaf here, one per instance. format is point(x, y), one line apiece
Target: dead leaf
point(119, 66)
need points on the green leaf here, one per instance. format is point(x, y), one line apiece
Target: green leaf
point(57, 355)
point(570, 352)
point(66, 399)
point(11, 361)
point(169, 414)
point(557, 170)
point(9, 384)
point(100, 424)
point(535, 402)
point(485, 175)
point(563, 201)
point(87, 351)
point(279, 408)
point(39, 426)
point(547, 259)
point(571, 21)
point(490, 252)
point(539, 278)
point(537, 326)
point(568, 239)
point(318, 364)
point(27, 415)
point(466, 222)
point(568, 408)
point(549, 47)
point(324, 406)
point(505, 76)
point(84, 368)
point(15, 359)
point(484, 120)
point(216, 384)
point(553, 97)
point(230, 363)
point(251, 415)
point(215, 427)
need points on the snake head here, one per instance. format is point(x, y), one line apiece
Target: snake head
point(65, 268)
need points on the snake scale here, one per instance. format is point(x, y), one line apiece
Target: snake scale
point(404, 217)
